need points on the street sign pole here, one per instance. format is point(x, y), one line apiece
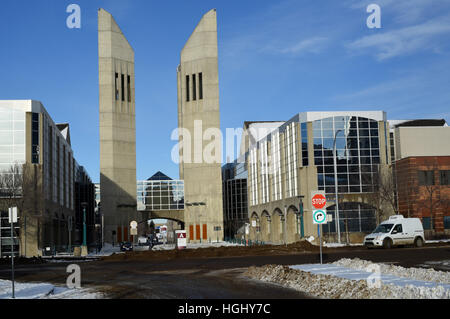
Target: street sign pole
point(319, 218)
point(12, 220)
point(319, 229)
point(12, 259)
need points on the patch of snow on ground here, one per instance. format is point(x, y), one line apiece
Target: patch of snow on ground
point(44, 291)
point(107, 250)
point(348, 278)
point(196, 245)
point(412, 273)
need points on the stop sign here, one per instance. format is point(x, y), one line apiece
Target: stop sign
point(319, 201)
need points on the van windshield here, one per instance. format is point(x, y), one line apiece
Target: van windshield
point(383, 228)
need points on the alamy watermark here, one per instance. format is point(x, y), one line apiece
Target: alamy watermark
point(374, 20)
point(74, 279)
point(374, 280)
point(74, 19)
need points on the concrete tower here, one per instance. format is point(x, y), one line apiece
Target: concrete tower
point(198, 113)
point(117, 129)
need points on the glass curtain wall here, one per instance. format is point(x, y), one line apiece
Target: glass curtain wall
point(358, 153)
point(161, 195)
point(12, 152)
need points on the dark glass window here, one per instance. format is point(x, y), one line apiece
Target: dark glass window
point(304, 133)
point(35, 138)
point(194, 87)
point(426, 178)
point(187, 88)
point(200, 86)
point(129, 88)
point(122, 78)
point(444, 177)
point(116, 79)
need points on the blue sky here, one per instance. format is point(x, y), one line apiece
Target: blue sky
point(276, 58)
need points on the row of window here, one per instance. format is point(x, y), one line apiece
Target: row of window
point(119, 96)
point(193, 88)
point(426, 178)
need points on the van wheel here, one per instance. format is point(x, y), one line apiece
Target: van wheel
point(418, 242)
point(387, 243)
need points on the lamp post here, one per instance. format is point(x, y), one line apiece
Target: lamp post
point(300, 206)
point(284, 224)
point(84, 245)
point(338, 227)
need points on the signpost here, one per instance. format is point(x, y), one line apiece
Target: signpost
point(12, 219)
point(181, 239)
point(319, 201)
point(133, 229)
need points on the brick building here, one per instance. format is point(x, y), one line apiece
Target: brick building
point(422, 166)
point(424, 190)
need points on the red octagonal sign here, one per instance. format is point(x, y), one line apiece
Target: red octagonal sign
point(319, 201)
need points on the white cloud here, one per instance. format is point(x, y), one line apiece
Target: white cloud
point(404, 41)
point(311, 45)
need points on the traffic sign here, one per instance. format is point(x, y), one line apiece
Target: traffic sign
point(133, 224)
point(319, 216)
point(12, 217)
point(318, 200)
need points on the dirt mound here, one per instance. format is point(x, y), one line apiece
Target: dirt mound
point(22, 261)
point(230, 251)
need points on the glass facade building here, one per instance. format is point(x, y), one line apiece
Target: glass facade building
point(235, 202)
point(164, 194)
point(357, 149)
point(298, 158)
point(29, 136)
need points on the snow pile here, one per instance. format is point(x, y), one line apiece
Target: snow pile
point(107, 250)
point(333, 287)
point(412, 273)
point(44, 291)
point(196, 245)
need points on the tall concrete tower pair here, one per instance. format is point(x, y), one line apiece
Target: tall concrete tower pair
point(198, 102)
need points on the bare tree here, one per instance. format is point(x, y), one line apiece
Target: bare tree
point(21, 187)
point(383, 197)
point(432, 199)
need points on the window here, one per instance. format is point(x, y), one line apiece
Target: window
point(304, 133)
point(187, 88)
point(194, 88)
point(357, 147)
point(444, 177)
point(426, 178)
point(129, 88)
point(35, 138)
point(122, 78)
point(116, 86)
point(398, 228)
point(200, 86)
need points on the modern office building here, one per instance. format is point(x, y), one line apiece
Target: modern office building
point(297, 158)
point(198, 117)
point(235, 203)
point(38, 172)
point(117, 129)
point(160, 192)
point(85, 205)
point(422, 167)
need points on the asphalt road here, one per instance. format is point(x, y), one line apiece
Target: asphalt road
point(208, 277)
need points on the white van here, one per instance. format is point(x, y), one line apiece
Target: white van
point(397, 231)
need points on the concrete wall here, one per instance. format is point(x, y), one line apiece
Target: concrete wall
point(422, 141)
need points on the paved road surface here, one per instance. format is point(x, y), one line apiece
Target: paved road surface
point(207, 277)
